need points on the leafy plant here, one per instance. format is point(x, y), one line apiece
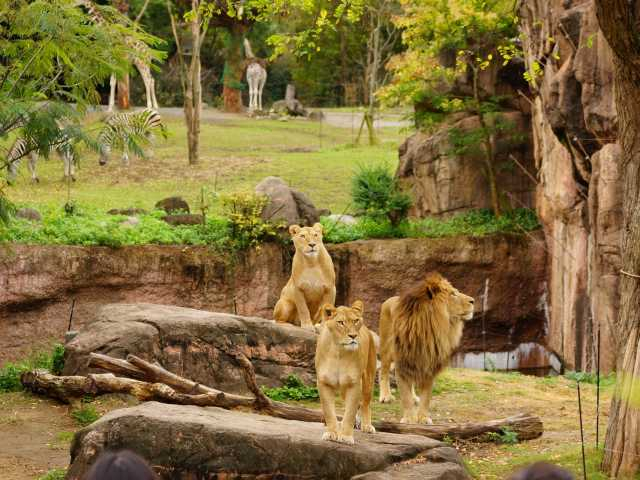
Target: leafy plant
point(293, 389)
point(10, 373)
point(247, 229)
point(506, 436)
point(377, 194)
point(85, 415)
point(591, 378)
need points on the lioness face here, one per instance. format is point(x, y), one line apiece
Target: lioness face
point(344, 323)
point(460, 305)
point(307, 240)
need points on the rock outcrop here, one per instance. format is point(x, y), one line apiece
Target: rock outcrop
point(202, 443)
point(38, 283)
point(579, 192)
point(443, 180)
point(195, 344)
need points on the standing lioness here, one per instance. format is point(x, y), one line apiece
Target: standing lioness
point(312, 282)
point(345, 363)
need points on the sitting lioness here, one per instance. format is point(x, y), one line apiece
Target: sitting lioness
point(419, 331)
point(312, 282)
point(345, 363)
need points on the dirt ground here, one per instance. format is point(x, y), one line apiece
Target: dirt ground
point(35, 433)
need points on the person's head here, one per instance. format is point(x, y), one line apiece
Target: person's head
point(122, 465)
point(542, 471)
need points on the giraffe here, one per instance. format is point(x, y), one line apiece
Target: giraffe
point(142, 61)
point(256, 78)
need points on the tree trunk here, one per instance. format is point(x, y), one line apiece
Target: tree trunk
point(193, 95)
point(123, 93)
point(618, 20)
point(233, 70)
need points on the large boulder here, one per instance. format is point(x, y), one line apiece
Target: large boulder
point(203, 443)
point(286, 204)
point(444, 180)
point(195, 344)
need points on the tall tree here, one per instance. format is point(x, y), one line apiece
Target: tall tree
point(619, 23)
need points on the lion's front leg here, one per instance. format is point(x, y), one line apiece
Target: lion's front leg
point(425, 388)
point(406, 400)
point(303, 310)
point(328, 402)
point(352, 398)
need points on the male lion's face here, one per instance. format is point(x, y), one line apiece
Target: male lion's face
point(307, 240)
point(344, 323)
point(460, 305)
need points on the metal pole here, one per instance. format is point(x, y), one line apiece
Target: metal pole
point(73, 305)
point(584, 461)
point(485, 302)
point(598, 389)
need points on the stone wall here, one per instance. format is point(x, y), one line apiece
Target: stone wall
point(38, 283)
point(576, 157)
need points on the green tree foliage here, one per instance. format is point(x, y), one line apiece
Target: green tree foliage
point(53, 58)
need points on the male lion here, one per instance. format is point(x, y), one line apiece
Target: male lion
point(345, 363)
point(312, 282)
point(418, 332)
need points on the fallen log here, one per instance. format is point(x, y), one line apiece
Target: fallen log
point(168, 387)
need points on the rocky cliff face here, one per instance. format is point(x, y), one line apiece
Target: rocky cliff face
point(38, 283)
point(579, 191)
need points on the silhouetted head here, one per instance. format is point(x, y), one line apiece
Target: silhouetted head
point(123, 465)
point(542, 471)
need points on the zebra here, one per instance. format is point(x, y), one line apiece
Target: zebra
point(23, 146)
point(125, 129)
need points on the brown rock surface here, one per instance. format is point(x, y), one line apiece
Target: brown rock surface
point(195, 344)
point(198, 443)
point(37, 283)
point(443, 182)
point(578, 197)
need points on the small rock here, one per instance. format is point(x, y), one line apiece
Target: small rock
point(286, 204)
point(316, 115)
point(29, 214)
point(344, 219)
point(127, 212)
point(173, 204)
point(183, 219)
point(70, 335)
point(130, 222)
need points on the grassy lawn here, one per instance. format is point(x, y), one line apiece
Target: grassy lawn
point(235, 155)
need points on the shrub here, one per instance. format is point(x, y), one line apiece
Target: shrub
point(293, 389)
point(377, 194)
point(246, 227)
point(10, 373)
point(54, 474)
point(506, 436)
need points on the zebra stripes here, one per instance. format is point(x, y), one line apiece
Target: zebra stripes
point(22, 147)
point(124, 129)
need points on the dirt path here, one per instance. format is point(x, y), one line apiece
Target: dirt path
point(35, 436)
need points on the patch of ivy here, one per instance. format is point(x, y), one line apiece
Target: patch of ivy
point(293, 389)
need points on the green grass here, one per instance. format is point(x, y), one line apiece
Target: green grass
point(10, 372)
point(85, 415)
point(54, 474)
point(235, 156)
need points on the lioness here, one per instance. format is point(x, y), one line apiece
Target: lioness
point(345, 363)
point(418, 332)
point(312, 282)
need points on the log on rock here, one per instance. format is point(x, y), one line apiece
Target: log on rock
point(66, 388)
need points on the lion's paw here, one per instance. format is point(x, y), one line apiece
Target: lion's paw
point(416, 400)
point(408, 420)
point(348, 439)
point(368, 429)
point(388, 398)
point(330, 436)
point(425, 419)
point(309, 326)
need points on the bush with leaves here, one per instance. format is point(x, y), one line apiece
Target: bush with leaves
point(10, 373)
point(247, 229)
point(377, 194)
point(293, 389)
